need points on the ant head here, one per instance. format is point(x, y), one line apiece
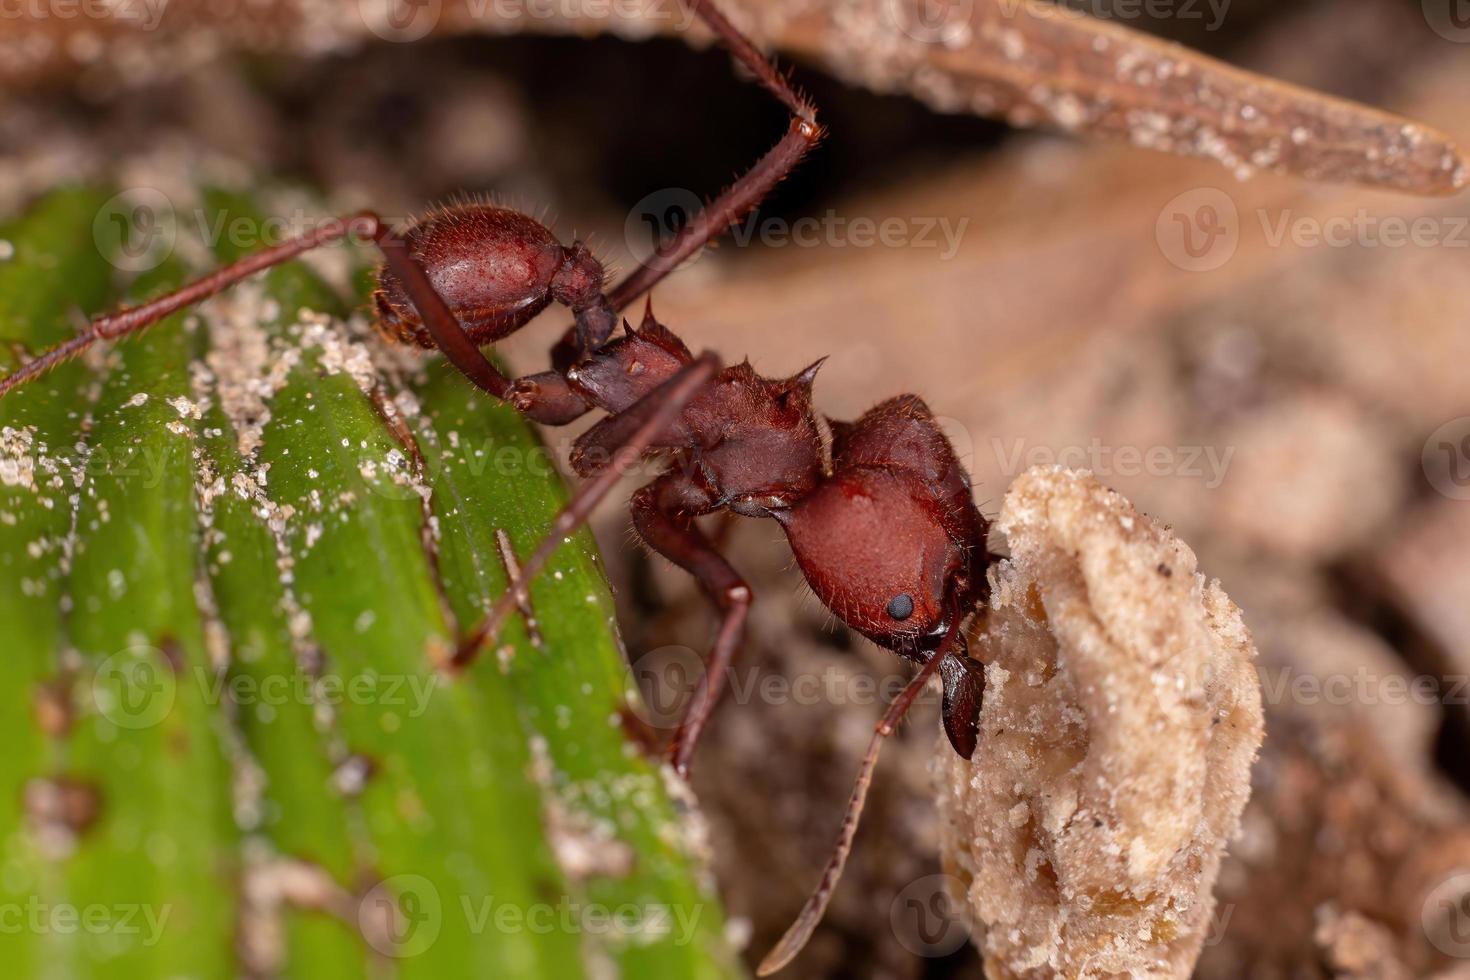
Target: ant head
point(891, 541)
point(877, 550)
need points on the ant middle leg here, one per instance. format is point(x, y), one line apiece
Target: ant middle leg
point(652, 416)
point(664, 519)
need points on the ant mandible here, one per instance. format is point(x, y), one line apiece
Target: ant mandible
point(882, 521)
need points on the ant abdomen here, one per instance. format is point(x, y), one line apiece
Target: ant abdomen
point(494, 267)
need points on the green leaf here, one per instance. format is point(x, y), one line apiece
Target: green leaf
point(235, 557)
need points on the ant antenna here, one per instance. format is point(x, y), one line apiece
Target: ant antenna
point(816, 906)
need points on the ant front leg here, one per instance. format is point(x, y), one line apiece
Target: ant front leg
point(663, 513)
point(437, 318)
point(130, 320)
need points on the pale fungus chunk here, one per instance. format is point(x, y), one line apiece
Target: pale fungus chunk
point(1121, 717)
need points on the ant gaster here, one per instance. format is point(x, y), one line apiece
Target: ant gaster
point(882, 522)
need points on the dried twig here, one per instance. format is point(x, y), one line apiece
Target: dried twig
point(1026, 61)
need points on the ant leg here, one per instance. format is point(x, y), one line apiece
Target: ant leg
point(662, 517)
point(743, 195)
point(129, 320)
point(659, 408)
point(816, 906)
point(739, 198)
point(447, 332)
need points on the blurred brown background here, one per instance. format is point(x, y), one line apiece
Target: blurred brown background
point(1277, 369)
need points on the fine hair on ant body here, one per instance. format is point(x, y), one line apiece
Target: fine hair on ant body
point(882, 520)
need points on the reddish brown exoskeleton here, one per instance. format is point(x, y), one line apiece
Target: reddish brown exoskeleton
point(880, 517)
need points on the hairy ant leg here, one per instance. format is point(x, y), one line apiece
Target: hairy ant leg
point(737, 200)
point(743, 195)
point(455, 307)
point(657, 410)
point(663, 514)
point(128, 320)
point(811, 914)
point(437, 318)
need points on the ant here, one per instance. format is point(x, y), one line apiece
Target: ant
point(880, 516)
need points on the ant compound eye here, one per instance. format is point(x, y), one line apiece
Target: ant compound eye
point(901, 607)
